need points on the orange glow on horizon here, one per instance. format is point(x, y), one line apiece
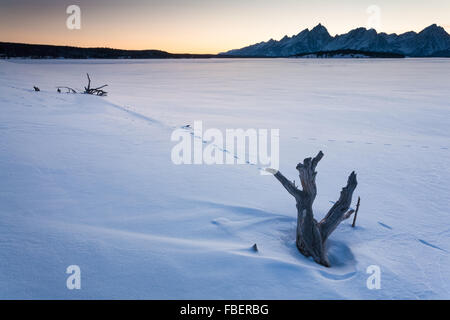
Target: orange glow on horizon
point(197, 26)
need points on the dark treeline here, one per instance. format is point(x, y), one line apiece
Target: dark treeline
point(350, 52)
point(20, 50)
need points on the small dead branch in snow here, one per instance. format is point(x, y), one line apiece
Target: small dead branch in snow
point(69, 89)
point(356, 212)
point(96, 91)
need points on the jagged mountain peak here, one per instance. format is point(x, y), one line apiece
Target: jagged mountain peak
point(302, 33)
point(319, 27)
point(361, 31)
point(432, 26)
point(434, 29)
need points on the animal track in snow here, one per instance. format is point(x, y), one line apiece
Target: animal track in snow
point(430, 245)
point(384, 225)
point(373, 143)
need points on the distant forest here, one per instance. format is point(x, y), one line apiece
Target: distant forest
point(350, 52)
point(35, 51)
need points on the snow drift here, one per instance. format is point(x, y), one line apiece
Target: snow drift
point(88, 181)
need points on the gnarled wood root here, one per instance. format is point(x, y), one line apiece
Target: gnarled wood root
point(312, 235)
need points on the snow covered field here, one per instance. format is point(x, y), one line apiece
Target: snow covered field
point(89, 181)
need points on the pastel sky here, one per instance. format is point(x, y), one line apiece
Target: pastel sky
point(203, 26)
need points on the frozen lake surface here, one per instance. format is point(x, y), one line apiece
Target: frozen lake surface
point(89, 181)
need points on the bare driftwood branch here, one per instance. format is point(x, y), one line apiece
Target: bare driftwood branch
point(338, 212)
point(96, 91)
point(69, 89)
point(312, 235)
point(290, 187)
point(87, 90)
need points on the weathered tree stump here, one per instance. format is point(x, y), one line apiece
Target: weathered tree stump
point(312, 236)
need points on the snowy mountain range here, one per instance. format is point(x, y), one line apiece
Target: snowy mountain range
point(433, 41)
